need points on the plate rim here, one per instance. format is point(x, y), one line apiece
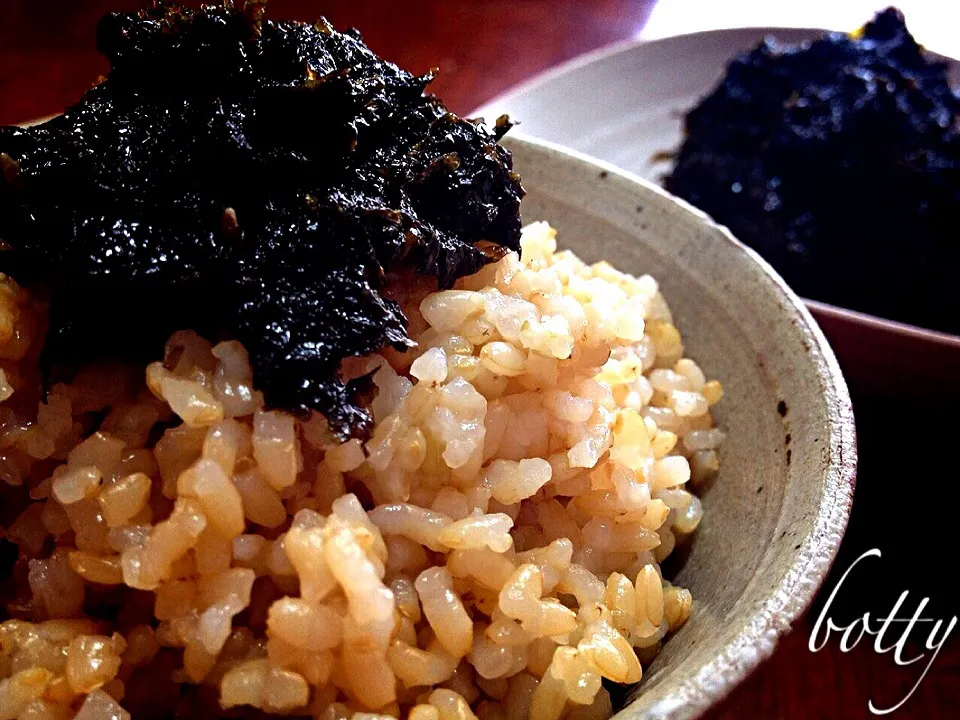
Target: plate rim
point(849, 316)
point(629, 44)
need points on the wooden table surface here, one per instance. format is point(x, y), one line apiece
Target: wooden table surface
point(907, 481)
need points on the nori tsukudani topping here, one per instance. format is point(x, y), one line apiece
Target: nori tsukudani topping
point(253, 180)
point(838, 160)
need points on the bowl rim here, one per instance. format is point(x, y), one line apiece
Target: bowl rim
point(811, 563)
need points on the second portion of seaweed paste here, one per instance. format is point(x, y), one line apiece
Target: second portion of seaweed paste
point(839, 161)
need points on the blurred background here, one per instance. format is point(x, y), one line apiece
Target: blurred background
point(907, 488)
point(48, 55)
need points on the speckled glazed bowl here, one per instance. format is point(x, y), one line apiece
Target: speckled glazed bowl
point(775, 516)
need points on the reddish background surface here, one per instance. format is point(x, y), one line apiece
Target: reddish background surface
point(47, 59)
point(47, 54)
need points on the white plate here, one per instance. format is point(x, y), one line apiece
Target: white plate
point(625, 104)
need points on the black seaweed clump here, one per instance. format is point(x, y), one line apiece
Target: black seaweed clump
point(839, 161)
point(254, 180)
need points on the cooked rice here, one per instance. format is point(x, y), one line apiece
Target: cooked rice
point(493, 550)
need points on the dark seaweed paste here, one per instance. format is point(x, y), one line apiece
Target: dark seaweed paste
point(248, 179)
